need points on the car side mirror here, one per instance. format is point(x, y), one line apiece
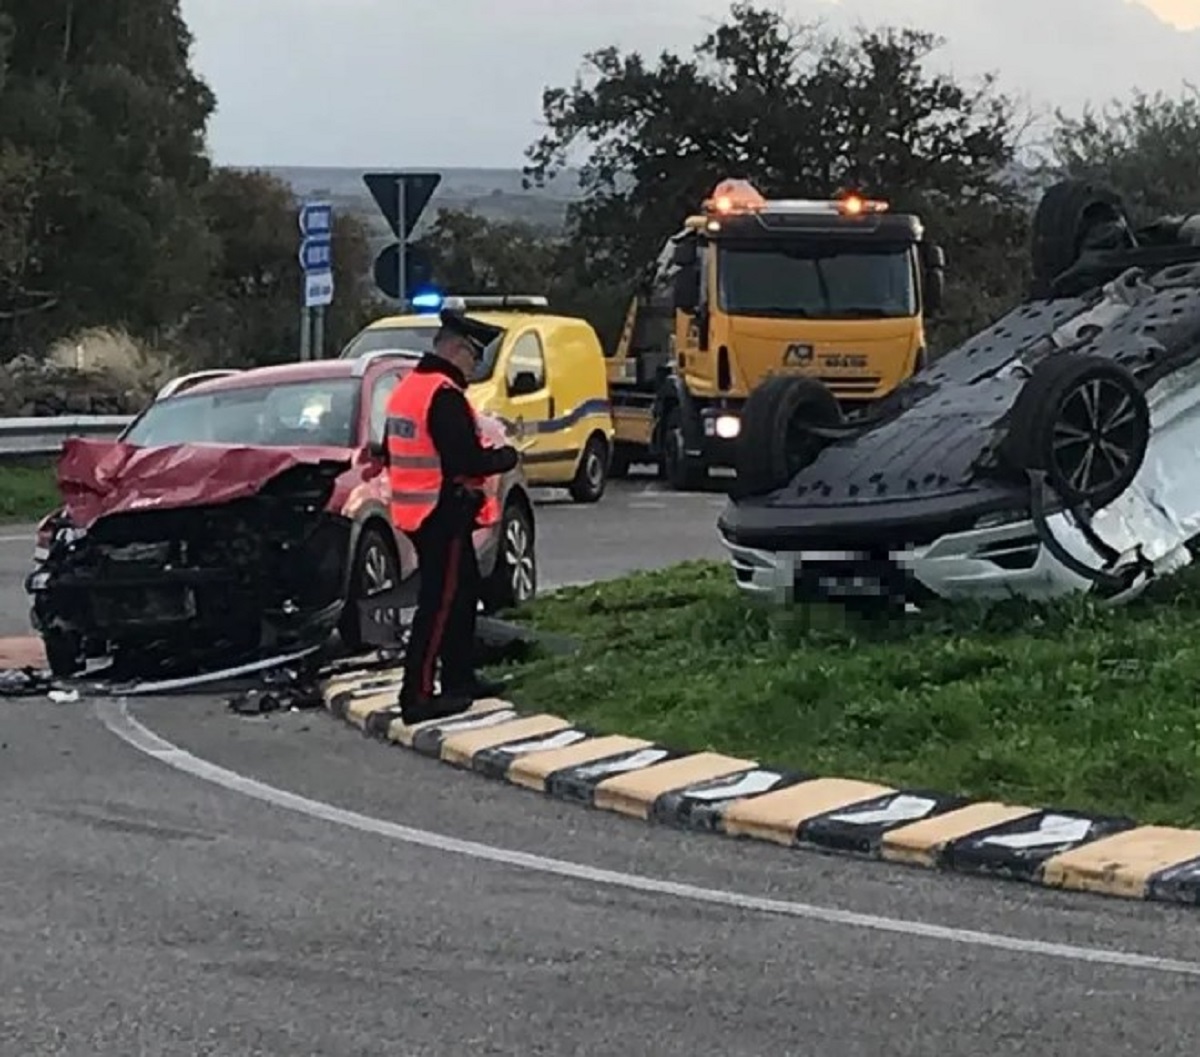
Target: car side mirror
point(523, 383)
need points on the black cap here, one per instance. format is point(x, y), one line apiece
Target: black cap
point(478, 335)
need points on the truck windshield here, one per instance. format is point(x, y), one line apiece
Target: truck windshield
point(817, 280)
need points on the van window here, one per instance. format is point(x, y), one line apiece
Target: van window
point(527, 355)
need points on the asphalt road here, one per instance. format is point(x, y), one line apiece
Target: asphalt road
point(155, 902)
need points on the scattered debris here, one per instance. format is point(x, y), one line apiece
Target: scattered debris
point(63, 697)
point(24, 682)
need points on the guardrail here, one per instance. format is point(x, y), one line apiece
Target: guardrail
point(27, 438)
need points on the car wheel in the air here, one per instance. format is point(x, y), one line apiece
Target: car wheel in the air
point(1071, 216)
point(1084, 421)
point(777, 439)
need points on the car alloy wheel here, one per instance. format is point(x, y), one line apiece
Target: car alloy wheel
point(377, 573)
point(518, 558)
point(1096, 437)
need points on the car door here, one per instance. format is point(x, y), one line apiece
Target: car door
point(529, 405)
point(375, 489)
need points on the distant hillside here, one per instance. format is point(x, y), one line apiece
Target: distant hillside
point(494, 193)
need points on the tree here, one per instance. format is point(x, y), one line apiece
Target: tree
point(798, 113)
point(474, 255)
point(1144, 147)
point(251, 312)
point(102, 123)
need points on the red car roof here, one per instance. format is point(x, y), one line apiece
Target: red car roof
point(283, 373)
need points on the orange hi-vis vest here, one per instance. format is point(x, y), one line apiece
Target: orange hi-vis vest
point(414, 467)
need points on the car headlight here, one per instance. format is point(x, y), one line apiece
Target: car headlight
point(728, 426)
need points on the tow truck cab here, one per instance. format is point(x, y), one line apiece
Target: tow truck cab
point(751, 287)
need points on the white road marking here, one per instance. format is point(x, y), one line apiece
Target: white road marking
point(17, 539)
point(116, 718)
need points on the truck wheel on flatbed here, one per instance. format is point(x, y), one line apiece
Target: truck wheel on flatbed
point(683, 472)
point(1084, 421)
point(776, 443)
point(1071, 213)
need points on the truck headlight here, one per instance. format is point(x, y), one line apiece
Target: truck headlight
point(728, 426)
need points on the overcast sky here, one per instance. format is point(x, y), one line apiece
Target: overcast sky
point(428, 83)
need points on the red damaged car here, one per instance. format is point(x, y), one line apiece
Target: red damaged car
point(243, 515)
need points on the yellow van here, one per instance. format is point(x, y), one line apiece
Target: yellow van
point(545, 376)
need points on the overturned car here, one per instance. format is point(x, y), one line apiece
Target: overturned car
point(1056, 452)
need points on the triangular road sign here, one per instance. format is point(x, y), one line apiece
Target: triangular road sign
point(418, 189)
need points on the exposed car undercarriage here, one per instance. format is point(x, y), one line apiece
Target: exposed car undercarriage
point(168, 590)
point(1055, 451)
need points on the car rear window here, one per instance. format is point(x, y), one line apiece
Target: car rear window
point(319, 412)
point(391, 339)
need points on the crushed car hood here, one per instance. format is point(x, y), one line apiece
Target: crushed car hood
point(97, 478)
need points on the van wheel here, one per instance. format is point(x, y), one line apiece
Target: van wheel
point(592, 476)
point(376, 571)
point(513, 580)
point(683, 473)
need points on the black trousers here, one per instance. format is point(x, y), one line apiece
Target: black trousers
point(447, 605)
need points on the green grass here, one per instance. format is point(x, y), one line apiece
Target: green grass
point(27, 491)
point(1068, 705)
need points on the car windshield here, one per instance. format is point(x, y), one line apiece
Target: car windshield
point(319, 413)
point(416, 339)
point(817, 280)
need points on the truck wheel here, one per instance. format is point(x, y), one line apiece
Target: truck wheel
point(592, 475)
point(775, 443)
point(683, 473)
point(1074, 214)
point(1084, 421)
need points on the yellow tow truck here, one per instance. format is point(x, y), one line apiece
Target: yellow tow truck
point(750, 287)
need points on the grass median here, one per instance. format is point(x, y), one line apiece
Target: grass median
point(27, 491)
point(1067, 705)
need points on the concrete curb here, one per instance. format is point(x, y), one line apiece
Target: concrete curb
point(710, 792)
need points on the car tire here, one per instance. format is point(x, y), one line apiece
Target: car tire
point(376, 570)
point(1070, 406)
point(592, 476)
point(513, 580)
point(1070, 212)
point(775, 443)
point(683, 473)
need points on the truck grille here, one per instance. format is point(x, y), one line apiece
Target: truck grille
point(860, 386)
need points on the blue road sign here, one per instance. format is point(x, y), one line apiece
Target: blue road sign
point(316, 219)
point(316, 254)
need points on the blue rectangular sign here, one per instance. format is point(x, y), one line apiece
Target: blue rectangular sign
point(316, 255)
point(316, 219)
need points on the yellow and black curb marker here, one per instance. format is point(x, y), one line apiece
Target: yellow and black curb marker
point(743, 798)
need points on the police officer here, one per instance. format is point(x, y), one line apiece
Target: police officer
point(437, 469)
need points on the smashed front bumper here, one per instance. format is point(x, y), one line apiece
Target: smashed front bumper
point(171, 592)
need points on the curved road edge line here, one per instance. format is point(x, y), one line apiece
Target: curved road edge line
point(115, 717)
point(1048, 847)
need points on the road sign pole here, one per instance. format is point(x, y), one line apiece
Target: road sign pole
point(306, 333)
point(402, 277)
point(318, 349)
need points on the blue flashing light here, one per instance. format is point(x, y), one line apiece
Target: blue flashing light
point(428, 301)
